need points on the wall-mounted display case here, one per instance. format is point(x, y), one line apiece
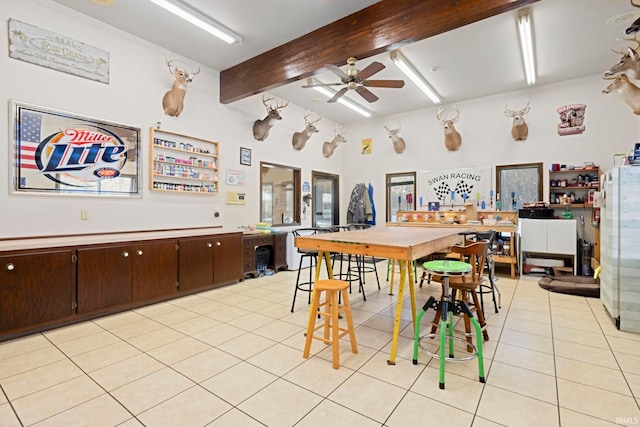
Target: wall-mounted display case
point(182, 164)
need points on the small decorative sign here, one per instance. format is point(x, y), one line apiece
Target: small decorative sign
point(306, 187)
point(571, 119)
point(245, 156)
point(41, 47)
point(366, 146)
point(236, 177)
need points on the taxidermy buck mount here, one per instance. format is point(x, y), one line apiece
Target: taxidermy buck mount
point(519, 129)
point(330, 146)
point(355, 79)
point(299, 139)
point(396, 139)
point(261, 127)
point(452, 139)
point(629, 92)
point(629, 63)
point(173, 100)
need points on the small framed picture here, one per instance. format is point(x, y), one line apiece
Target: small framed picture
point(245, 156)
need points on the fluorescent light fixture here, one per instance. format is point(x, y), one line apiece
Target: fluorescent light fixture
point(526, 45)
point(200, 20)
point(347, 103)
point(405, 66)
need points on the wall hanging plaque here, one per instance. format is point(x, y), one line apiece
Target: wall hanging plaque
point(571, 119)
point(51, 50)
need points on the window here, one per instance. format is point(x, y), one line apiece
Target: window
point(280, 194)
point(401, 190)
point(518, 184)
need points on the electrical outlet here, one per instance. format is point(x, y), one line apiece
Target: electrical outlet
point(84, 215)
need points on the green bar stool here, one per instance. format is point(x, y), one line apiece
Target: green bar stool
point(448, 308)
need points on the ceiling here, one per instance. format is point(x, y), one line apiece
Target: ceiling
point(573, 39)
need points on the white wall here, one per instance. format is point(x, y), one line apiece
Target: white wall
point(611, 127)
point(139, 78)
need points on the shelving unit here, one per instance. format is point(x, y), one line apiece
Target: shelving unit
point(182, 164)
point(573, 184)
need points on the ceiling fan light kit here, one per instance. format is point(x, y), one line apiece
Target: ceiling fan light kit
point(357, 80)
point(526, 44)
point(347, 103)
point(200, 20)
point(408, 69)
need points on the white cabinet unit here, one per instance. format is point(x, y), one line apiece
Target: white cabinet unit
point(549, 236)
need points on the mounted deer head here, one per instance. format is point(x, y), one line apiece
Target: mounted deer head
point(330, 146)
point(261, 127)
point(173, 100)
point(629, 92)
point(629, 64)
point(299, 139)
point(396, 139)
point(519, 130)
point(452, 139)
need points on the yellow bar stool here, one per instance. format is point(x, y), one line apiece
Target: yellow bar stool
point(331, 309)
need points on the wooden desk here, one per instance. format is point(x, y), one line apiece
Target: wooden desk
point(403, 244)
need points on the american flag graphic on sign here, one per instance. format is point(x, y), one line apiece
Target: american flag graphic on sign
point(29, 139)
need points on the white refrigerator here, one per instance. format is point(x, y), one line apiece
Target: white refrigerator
point(620, 246)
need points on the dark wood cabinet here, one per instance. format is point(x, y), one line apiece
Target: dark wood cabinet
point(36, 288)
point(114, 275)
point(44, 288)
point(195, 264)
point(277, 242)
point(227, 259)
point(104, 277)
point(155, 270)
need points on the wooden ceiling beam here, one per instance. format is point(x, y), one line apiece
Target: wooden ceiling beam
point(386, 25)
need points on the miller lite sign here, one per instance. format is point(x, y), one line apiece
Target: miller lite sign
point(60, 153)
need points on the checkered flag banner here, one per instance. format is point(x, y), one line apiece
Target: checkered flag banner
point(442, 191)
point(462, 187)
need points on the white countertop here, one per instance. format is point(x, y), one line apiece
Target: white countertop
point(92, 239)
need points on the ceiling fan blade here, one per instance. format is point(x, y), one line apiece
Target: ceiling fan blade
point(370, 70)
point(337, 71)
point(384, 83)
point(338, 94)
point(322, 84)
point(366, 94)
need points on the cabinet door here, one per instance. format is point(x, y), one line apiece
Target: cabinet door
point(227, 258)
point(104, 277)
point(562, 238)
point(155, 270)
point(195, 263)
point(280, 251)
point(35, 288)
point(533, 235)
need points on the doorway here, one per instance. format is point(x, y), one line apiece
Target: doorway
point(401, 188)
point(325, 204)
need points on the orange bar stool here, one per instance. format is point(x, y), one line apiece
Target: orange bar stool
point(332, 332)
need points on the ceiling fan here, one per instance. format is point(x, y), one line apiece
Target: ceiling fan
point(355, 79)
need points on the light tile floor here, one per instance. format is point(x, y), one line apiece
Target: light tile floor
point(233, 357)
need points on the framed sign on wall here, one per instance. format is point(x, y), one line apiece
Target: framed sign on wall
point(62, 153)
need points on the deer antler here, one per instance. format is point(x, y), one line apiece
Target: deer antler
point(313, 116)
point(391, 130)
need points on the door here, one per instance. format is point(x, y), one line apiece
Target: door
point(227, 258)
point(104, 277)
point(324, 200)
point(35, 288)
point(196, 263)
point(155, 270)
point(401, 189)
